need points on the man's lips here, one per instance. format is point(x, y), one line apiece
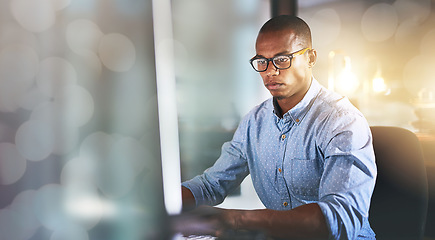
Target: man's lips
point(273, 85)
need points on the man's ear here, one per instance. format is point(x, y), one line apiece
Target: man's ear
point(312, 57)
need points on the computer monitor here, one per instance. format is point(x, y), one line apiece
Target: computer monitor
point(80, 142)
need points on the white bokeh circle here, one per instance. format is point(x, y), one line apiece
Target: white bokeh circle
point(117, 52)
point(131, 151)
point(96, 146)
point(83, 36)
point(13, 33)
point(54, 74)
point(49, 207)
point(80, 173)
point(35, 140)
point(77, 104)
point(14, 82)
point(406, 31)
point(413, 9)
point(114, 155)
point(418, 73)
point(379, 22)
point(27, 222)
point(92, 62)
point(13, 225)
point(65, 131)
point(34, 15)
point(328, 26)
point(33, 98)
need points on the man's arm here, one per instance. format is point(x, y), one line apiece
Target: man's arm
point(303, 222)
point(188, 199)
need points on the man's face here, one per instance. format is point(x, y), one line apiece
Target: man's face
point(291, 83)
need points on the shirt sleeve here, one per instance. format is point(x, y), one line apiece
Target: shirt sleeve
point(211, 187)
point(349, 175)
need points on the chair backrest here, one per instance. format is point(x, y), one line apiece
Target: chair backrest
point(399, 203)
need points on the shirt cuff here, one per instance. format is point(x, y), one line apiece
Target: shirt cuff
point(194, 186)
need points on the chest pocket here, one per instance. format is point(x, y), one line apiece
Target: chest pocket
point(304, 178)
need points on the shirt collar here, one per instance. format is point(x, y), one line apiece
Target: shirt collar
point(298, 112)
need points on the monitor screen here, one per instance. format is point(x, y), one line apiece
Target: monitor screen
point(80, 145)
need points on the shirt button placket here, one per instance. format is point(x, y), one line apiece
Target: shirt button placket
point(284, 191)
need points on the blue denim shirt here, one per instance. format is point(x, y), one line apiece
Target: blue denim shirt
point(318, 152)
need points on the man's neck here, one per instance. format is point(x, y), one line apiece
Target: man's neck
point(278, 110)
point(286, 104)
point(283, 105)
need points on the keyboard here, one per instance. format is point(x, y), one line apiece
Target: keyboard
point(194, 237)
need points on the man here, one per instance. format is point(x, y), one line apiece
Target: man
point(308, 150)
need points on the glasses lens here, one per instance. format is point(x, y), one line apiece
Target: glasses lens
point(282, 62)
point(260, 64)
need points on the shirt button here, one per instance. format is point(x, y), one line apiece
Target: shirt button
point(297, 119)
point(285, 204)
point(279, 170)
point(283, 136)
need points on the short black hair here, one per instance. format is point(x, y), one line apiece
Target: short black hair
point(292, 23)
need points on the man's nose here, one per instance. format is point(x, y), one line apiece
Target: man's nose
point(271, 69)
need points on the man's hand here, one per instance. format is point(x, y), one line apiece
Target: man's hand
point(203, 220)
point(218, 222)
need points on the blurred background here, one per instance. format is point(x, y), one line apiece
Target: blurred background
point(79, 132)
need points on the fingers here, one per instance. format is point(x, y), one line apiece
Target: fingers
point(201, 221)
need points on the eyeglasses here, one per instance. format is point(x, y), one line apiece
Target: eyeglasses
point(280, 62)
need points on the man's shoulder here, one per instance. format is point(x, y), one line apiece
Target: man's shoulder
point(262, 111)
point(264, 108)
point(335, 103)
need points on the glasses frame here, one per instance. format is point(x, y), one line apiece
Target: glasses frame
point(291, 55)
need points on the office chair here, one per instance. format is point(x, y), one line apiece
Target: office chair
point(400, 198)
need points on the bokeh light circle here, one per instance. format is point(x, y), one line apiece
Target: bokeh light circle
point(91, 61)
point(328, 26)
point(13, 33)
point(418, 73)
point(49, 207)
point(54, 74)
point(114, 155)
point(35, 140)
point(379, 22)
point(83, 36)
point(34, 15)
point(13, 225)
point(27, 223)
point(80, 173)
point(77, 104)
point(117, 52)
point(12, 164)
point(406, 31)
point(65, 131)
point(413, 9)
point(96, 146)
point(14, 82)
point(33, 98)
point(132, 151)
point(122, 167)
